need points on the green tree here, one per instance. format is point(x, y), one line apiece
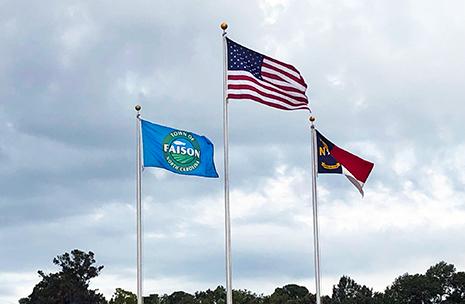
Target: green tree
point(246, 297)
point(439, 285)
point(122, 296)
point(290, 294)
point(440, 278)
point(178, 297)
point(379, 298)
point(152, 299)
point(410, 289)
point(217, 296)
point(71, 284)
point(457, 294)
point(347, 291)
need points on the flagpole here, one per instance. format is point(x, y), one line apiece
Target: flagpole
point(227, 222)
point(316, 241)
point(140, 299)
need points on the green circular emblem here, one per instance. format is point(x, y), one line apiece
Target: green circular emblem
point(181, 151)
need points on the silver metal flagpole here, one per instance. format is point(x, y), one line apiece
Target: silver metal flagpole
point(227, 218)
point(140, 299)
point(316, 241)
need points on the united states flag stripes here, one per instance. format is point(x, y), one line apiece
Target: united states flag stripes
point(260, 78)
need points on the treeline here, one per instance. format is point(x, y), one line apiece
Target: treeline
point(441, 283)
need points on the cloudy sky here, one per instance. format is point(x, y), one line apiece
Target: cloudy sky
point(386, 81)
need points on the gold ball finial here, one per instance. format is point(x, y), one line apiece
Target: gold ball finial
point(312, 118)
point(138, 107)
point(224, 26)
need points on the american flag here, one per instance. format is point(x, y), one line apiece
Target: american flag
point(260, 78)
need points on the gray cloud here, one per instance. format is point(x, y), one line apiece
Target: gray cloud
point(385, 82)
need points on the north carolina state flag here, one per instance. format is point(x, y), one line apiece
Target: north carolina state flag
point(332, 159)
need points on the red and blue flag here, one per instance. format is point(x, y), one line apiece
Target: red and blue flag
point(332, 159)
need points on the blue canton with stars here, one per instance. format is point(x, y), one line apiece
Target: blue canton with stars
point(243, 59)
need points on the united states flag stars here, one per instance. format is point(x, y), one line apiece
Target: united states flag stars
point(257, 77)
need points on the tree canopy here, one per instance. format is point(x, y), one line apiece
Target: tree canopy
point(71, 284)
point(440, 284)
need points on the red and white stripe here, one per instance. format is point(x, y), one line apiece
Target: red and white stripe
point(282, 86)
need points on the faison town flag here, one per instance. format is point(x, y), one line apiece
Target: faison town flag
point(260, 78)
point(178, 151)
point(332, 159)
